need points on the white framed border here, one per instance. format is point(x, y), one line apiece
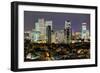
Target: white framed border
point(22, 64)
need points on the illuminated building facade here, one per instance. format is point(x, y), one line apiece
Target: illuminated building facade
point(68, 32)
point(59, 36)
point(84, 30)
point(36, 33)
point(87, 34)
point(53, 37)
point(35, 36)
point(42, 27)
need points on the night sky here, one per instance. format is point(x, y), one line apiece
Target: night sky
point(30, 17)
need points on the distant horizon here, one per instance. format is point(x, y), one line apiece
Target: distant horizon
point(58, 19)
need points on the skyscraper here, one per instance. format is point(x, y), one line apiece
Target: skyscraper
point(35, 35)
point(53, 37)
point(84, 31)
point(41, 32)
point(36, 32)
point(48, 26)
point(68, 32)
point(48, 23)
point(37, 28)
point(48, 30)
point(42, 29)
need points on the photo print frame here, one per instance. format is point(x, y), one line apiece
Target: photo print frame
point(52, 36)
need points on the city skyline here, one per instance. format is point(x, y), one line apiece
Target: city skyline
point(63, 43)
point(58, 19)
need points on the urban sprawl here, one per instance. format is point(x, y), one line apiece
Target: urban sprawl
point(43, 43)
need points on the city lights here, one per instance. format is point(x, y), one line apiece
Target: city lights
point(44, 43)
